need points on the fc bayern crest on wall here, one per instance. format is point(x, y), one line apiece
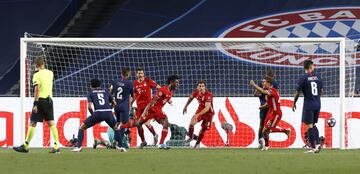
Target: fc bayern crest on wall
point(321, 23)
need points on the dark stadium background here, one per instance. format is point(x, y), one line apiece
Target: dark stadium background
point(127, 18)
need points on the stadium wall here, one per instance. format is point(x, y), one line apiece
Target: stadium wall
point(241, 112)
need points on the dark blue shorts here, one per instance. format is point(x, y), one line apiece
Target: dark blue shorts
point(310, 116)
point(122, 115)
point(100, 116)
point(263, 113)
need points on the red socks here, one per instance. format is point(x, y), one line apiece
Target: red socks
point(141, 134)
point(191, 132)
point(201, 135)
point(164, 133)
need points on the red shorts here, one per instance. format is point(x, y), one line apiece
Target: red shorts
point(272, 120)
point(206, 120)
point(158, 115)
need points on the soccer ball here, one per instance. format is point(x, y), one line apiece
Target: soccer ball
point(331, 122)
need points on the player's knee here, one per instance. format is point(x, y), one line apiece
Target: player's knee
point(309, 126)
point(33, 124)
point(165, 124)
point(50, 123)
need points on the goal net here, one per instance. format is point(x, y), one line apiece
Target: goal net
point(227, 66)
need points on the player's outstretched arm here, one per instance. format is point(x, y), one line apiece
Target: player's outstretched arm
point(190, 99)
point(296, 97)
point(258, 88)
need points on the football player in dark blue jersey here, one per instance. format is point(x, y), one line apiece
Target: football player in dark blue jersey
point(123, 90)
point(100, 103)
point(311, 86)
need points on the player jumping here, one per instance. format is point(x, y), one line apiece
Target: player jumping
point(123, 92)
point(143, 92)
point(204, 113)
point(274, 114)
point(102, 111)
point(310, 85)
point(154, 109)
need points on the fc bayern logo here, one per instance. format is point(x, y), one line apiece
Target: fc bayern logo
point(322, 22)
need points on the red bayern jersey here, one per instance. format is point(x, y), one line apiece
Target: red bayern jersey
point(164, 95)
point(143, 91)
point(202, 99)
point(273, 100)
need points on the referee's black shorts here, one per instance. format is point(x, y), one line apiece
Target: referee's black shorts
point(45, 111)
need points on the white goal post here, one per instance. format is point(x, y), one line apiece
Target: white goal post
point(164, 44)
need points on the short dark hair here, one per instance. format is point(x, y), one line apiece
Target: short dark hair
point(95, 83)
point(270, 72)
point(125, 71)
point(307, 64)
point(268, 79)
point(201, 82)
point(39, 61)
point(139, 69)
point(172, 78)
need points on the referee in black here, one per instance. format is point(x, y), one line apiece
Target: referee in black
point(43, 105)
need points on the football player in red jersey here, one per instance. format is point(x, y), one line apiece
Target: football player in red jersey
point(204, 113)
point(143, 94)
point(154, 109)
point(274, 114)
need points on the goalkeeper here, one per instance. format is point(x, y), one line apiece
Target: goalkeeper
point(112, 143)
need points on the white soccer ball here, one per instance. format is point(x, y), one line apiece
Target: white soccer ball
point(331, 122)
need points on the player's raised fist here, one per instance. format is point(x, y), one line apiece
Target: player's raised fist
point(252, 83)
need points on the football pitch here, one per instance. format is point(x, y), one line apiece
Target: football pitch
point(184, 161)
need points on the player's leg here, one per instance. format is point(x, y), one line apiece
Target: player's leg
point(316, 131)
point(162, 118)
point(315, 120)
point(152, 131)
point(307, 119)
point(124, 118)
point(205, 125)
point(30, 134)
point(262, 114)
point(192, 124)
point(266, 130)
point(49, 118)
point(275, 122)
point(34, 118)
point(89, 122)
point(140, 129)
point(109, 119)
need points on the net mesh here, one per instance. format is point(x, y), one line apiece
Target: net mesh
point(226, 67)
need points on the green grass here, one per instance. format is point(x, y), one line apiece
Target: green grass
point(184, 161)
